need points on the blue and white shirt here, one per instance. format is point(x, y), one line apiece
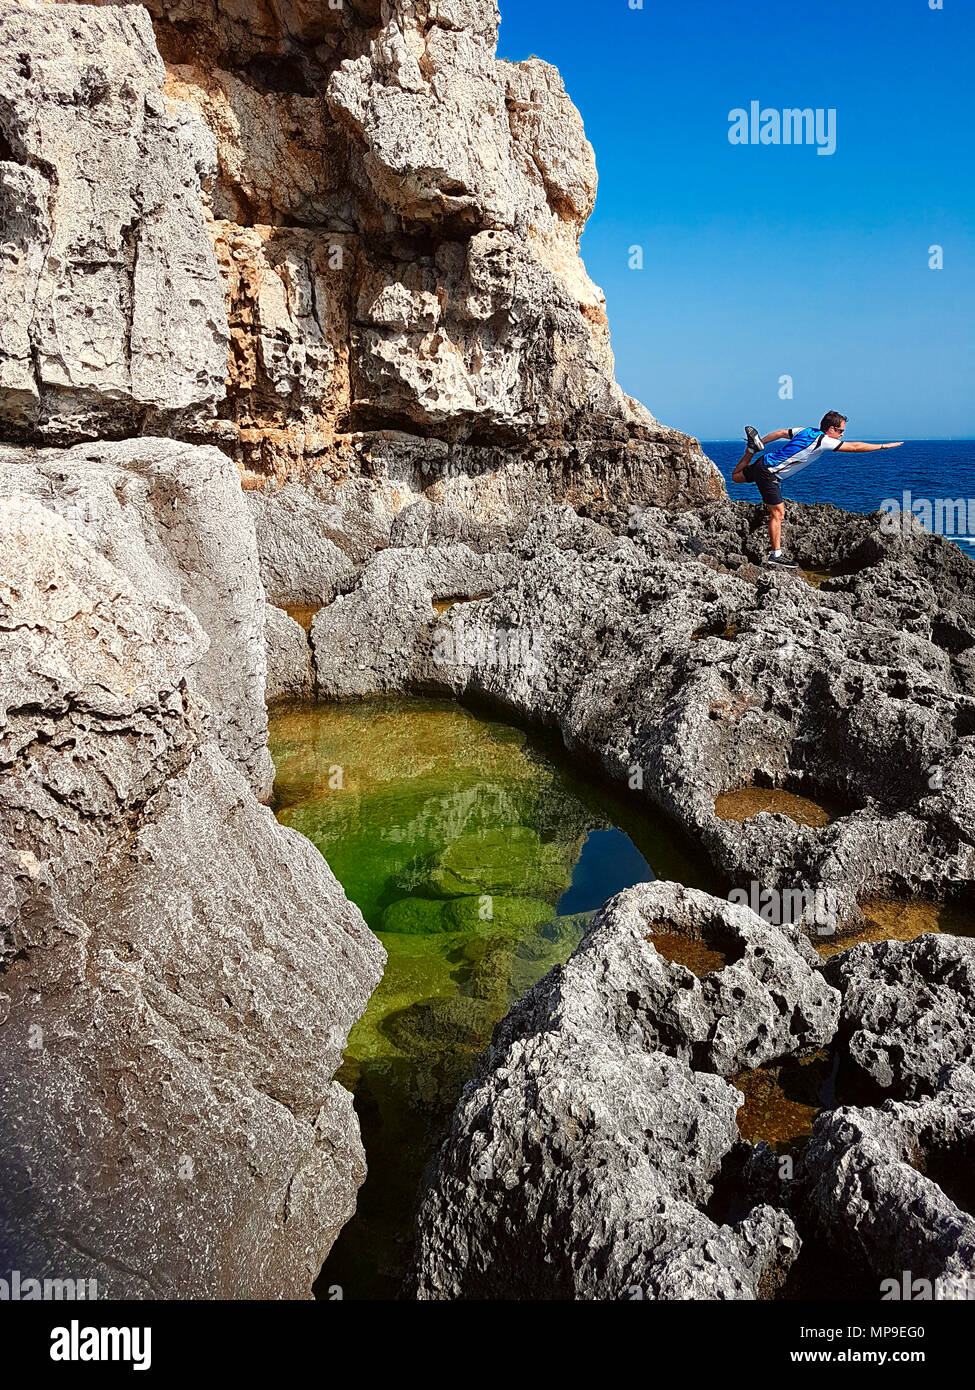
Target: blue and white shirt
point(803, 447)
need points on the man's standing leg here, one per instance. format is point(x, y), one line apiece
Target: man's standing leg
point(768, 485)
point(776, 515)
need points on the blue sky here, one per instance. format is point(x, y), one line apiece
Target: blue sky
point(761, 261)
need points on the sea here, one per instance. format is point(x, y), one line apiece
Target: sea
point(930, 471)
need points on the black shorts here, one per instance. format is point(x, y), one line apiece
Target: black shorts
point(766, 482)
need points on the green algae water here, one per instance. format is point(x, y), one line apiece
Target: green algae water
point(477, 857)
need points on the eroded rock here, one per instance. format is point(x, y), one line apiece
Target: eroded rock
point(891, 1189)
point(291, 673)
point(364, 640)
point(686, 676)
point(768, 1000)
point(378, 226)
point(579, 1158)
point(907, 1011)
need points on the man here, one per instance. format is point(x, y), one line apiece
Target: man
point(800, 448)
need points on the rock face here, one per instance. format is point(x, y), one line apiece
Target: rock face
point(173, 519)
point(290, 669)
point(178, 972)
point(118, 318)
point(580, 1157)
point(361, 639)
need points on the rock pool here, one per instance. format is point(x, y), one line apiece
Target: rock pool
point(476, 854)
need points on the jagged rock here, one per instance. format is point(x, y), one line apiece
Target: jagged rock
point(279, 154)
point(289, 295)
point(290, 673)
point(24, 197)
point(907, 1011)
point(179, 973)
point(284, 45)
point(313, 531)
point(439, 150)
point(172, 518)
point(117, 315)
point(579, 1158)
point(489, 158)
point(577, 1171)
point(422, 523)
point(891, 1190)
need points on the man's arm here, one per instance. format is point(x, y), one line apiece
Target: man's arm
point(776, 434)
point(854, 446)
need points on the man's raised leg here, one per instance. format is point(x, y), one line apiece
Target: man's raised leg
point(738, 476)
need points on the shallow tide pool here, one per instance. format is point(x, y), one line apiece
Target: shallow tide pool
point(477, 856)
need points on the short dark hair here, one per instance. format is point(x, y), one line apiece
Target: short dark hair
point(832, 421)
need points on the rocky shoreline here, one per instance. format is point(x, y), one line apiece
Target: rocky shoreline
point(596, 1155)
point(297, 329)
point(672, 660)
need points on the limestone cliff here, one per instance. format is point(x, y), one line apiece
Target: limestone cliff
point(302, 228)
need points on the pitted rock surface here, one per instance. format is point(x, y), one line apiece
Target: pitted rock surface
point(768, 1001)
point(118, 315)
point(670, 658)
point(891, 1188)
point(315, 227)
point(907, 1011)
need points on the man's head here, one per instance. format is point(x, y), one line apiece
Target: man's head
point(833, 423)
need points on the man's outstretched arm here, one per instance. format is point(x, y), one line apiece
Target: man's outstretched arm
point(776, 434)
point(855, 446)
